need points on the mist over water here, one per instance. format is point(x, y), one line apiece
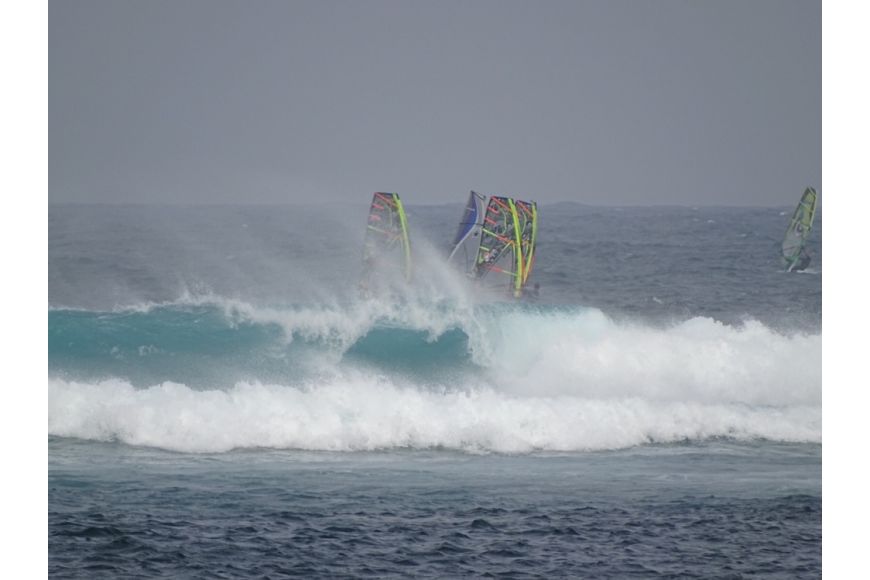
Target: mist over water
point(235, 334)
point(659, 262)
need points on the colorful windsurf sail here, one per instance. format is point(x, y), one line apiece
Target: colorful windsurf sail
point(467, 238)
point(527, 215)
point(499, 256)
point(387, 249)
point(794, 253)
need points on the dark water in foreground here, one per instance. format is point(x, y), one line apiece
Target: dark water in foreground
point(711, 510)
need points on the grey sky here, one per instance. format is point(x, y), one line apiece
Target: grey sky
point(598, 101)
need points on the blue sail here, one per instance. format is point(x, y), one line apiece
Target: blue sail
point(468, 231)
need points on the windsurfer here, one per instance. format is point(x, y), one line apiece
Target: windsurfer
point(488, 257)
point(803, 260)
point(532, 293)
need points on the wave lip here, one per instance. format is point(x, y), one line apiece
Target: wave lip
point(562, 344)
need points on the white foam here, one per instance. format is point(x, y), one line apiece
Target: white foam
point(587, 354)
point(361, 412)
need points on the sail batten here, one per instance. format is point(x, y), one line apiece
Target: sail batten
point(499, 256)
point(497, 238)
point(387, 247)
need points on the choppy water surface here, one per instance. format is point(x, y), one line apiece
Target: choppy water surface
point(707, 510)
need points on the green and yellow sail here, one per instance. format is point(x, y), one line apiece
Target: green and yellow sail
point(794, 254)
point(387, 246)
point(507, 244)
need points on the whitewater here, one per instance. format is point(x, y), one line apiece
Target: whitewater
point(513, 380)
point(219, 357)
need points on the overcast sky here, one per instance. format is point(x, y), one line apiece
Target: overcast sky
point(694, 102)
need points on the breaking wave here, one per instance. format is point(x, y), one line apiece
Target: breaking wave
point(215, 375)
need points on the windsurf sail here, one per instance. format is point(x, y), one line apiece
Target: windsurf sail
point(467, 238)
point(387, 248)
point(527, 215)
point(499, 255)
point(794, 254)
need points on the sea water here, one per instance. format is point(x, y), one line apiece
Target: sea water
point(222, 403)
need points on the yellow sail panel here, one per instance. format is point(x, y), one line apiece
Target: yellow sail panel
point(406, 241)
point(518, 250)
point(527, 213)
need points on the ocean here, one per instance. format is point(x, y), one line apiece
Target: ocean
point(222, 403)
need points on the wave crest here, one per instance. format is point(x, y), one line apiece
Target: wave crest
point(503, 378)
point(365, 413)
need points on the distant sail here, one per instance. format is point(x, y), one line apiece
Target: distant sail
point(527, 214)
point(499, 256)
point(387, 249)
point(793, 244)
point(467, 238)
